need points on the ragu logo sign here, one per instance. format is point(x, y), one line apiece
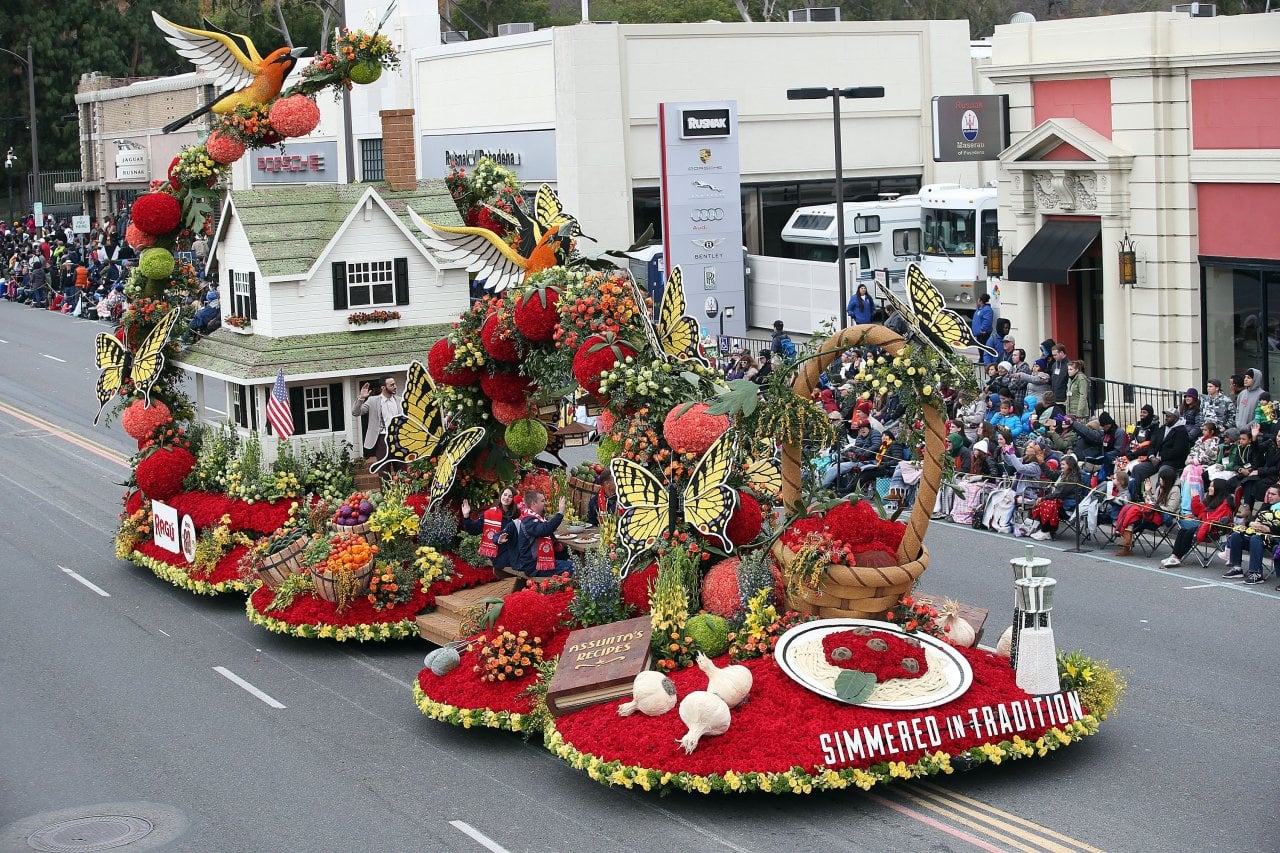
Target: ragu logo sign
point(700, 124)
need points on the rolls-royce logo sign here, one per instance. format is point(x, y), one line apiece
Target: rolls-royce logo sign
point(698, 124)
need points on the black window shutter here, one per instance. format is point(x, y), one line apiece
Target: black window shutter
point(299, 411)
point(337, 422)
point(251, 394)
point(243, 397)
point(339, 285)
point(253, 296)
point(402, 281)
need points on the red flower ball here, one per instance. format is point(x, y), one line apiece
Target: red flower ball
point(635, 587)
point(296, 115)
point(224, 149)
point(605, 421)
point(506, 387)
point(745, 524)
point(508, 413)
point(174, 180)
point(136, 239)
point(133, 503)
point(536, 321)
point(442, 352)
point(481, 469)
point(689, 429)
point(156, 214)
point(497, 340)
point(720, 589)
point(160, 475)
point(588, 365)
point(530, 610)
point(140, 422)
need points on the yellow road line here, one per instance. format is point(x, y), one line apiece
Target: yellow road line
point(941, 792)
point(975, 825)
point(66, 435)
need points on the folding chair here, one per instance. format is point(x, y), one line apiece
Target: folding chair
point(1150, 540)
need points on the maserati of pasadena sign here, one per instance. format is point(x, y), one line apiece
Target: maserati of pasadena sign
point(970, 127)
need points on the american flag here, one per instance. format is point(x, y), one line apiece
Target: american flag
point(278, 412)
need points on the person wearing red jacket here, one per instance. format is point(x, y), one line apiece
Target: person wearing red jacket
point(1214, 515)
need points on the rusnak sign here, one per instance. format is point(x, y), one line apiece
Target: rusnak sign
point(970, 127)
point(702, 205)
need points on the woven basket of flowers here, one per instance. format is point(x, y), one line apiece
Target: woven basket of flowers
point(276, 567)
point(864, 591)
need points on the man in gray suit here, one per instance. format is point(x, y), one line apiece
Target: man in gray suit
point(380, 409)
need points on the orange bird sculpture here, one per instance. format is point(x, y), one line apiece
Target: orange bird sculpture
point(244, 76)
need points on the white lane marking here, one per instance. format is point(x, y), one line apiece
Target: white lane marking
point(93, 586)
point(215, 411)
point(477, 836)
point(2, 341)
point(53, 357)
point(367, 664)
point(1203, 585)
point(240, 682)
point(162, 632)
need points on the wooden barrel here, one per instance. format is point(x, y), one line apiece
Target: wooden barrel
point(276, 568)
point(582, 493)
point(326, 588)
point(863, 591)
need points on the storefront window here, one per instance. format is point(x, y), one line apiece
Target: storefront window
point(1241, 320)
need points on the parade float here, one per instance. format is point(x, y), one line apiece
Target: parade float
point(728, 626)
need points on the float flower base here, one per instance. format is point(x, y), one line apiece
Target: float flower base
point(827, 744)
point(225, 577)
point(313, 618)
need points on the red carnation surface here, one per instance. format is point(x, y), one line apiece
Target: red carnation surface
point(865, 654)
point(296, 115)
point(505, 387)
point(172, 174)
point(536, 321)
point(856, 526)
point(536, 480)
point(689, 429)
point(497, 340)
point(588, 365)
point(508, 413)
point(224, 149)
point(156, 214)
point(752, 744)
point(745, 524)
point(463, 688)
point(139, 421)
point(227, 569)
point(635, 587)
point(134, 237)
point(480, 467)
point(207, 508)
point(530, 610)
point(160, 475)
point(442, 352)
point(133, 502)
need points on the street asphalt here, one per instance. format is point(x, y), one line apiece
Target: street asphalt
point(118, 699)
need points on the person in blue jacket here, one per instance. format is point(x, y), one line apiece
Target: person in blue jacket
point(862, 308)
point(983, 319)
point(996, 341)
point(536, 554)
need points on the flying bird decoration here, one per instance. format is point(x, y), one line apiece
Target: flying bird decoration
point(544, 240)
point(242, 75)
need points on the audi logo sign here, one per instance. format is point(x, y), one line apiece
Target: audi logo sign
point(707, 214)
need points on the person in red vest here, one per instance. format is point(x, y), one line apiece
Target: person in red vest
point(496, 527)
point(536, 543)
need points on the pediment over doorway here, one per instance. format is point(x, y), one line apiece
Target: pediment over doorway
point(1065, 167)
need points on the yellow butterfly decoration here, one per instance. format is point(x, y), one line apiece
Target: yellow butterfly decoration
point(416, 433)
point(764, 476)
point(675, 336)
point(927, 314)
point(647, 506)
point(455, 450)
point(142, 367)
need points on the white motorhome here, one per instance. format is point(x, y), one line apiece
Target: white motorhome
point(880, 235)
point(959, 223)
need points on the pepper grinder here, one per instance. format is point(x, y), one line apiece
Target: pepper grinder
point(1028, 566)
point(1037, 669)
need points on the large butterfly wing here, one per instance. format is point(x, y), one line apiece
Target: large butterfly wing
point(708, 500)
point(644, 506)
point(946, 328)
point(677, 333)
point(416, 433)
point(549, 213)
point(455, 450)
point(764, 477)
point(110, 358)
point(148, 361)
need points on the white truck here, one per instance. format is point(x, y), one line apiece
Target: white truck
point(958, 225)
point(880, 235)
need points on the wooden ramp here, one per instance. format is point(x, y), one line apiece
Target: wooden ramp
point(444, 624)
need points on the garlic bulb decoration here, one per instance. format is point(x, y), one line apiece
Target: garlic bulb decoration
point(1004, 646)
point(958, 630)
point(652, 693)
point(705, 714)
point(732, 683)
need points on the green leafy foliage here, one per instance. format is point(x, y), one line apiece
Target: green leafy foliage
point(854, 687)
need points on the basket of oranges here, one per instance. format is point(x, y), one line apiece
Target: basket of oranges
point(345, 574)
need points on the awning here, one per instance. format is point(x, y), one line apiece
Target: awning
point(1054, 250)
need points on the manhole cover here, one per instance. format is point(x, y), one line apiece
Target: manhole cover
point(86, 834)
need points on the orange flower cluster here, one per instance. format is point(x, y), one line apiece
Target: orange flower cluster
point(609, 305)
point(348, 552)
point(384, 592)
point(677, 653)
point(507, 656)
point(639, 439)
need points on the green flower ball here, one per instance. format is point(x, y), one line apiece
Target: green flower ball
point(365, 72)
point(156, 263)
point(526, 437)
point(608, 449)
point(710, 632)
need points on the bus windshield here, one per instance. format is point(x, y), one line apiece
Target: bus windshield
point(949, 232)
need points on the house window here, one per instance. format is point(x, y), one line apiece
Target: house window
point(316, 405)
point(370, 283)
point(371, 159)
point(241, 300)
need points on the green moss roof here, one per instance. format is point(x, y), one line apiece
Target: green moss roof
point(290, 226)
point(250, 359)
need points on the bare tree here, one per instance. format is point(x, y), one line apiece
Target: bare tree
point(764, 10)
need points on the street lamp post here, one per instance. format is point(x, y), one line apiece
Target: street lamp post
point(815, 93)
point(31, 107)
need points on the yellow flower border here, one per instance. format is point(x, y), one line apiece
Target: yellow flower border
point(365, 632)
point(178, 576)
point(467, 718)
point(799, 781)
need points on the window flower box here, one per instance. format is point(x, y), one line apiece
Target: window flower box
point(378, 319)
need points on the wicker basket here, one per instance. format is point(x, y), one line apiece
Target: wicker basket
point(276, 568)
point(366, 530)
point(582, 493)
point(861, 591)
point(326, 588)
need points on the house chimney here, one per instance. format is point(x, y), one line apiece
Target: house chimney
point(399, 162)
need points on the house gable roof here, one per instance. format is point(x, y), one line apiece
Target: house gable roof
point(1031, 151)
